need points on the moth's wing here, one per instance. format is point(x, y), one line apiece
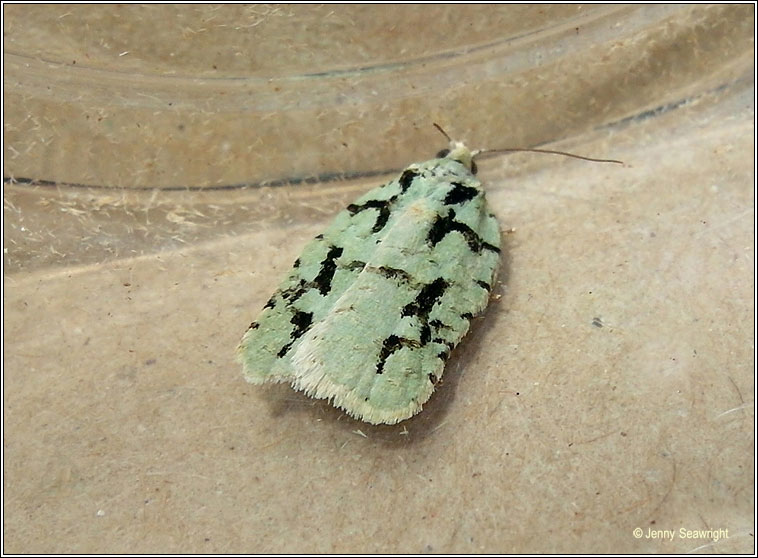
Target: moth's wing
point(382, 347)
point(318, 279)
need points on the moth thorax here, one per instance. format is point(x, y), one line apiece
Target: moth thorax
point(461, 153)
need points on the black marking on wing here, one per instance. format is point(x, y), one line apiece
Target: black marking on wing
point(390, 345)
point(393, 273)
point(483, 284)
point(444, 354)
point(296, 264)
point(425, 334)
point(460, 194)
point(490, 247)
point(442, 226)
point(254, 325)
point(323, 280)
point(467, 316)
point(293, 293)
point(302, 322)
point(442, 341)
point(384, 211)
point(271, 302)
point(355, 264)
point(426, 298)
point(422, 306)
point(406, 179)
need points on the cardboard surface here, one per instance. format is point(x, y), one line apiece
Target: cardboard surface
point(608, 387)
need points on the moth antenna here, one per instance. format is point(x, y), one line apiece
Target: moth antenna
point(548, 151)
point(444, 133)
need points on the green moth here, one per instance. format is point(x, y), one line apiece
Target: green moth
point(372, 308)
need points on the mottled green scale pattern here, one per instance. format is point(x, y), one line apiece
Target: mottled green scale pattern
point(374, 305)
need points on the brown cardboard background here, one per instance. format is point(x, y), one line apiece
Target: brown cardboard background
point(128, 427)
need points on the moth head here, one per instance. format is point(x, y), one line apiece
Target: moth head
point(465, 156)
point(458, 152)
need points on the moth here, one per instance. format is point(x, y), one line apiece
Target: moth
point(373, 307)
